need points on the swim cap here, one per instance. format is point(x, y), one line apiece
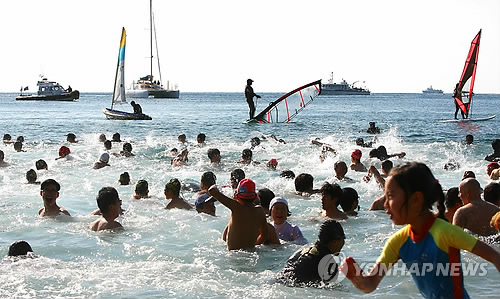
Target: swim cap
point(356, 154)
point(278, 200)
point(246, 190)
point(64, 151)
point(494, 165)
point(104, 158)
point(273, 162)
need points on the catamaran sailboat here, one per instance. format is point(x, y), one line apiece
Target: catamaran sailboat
point(463, 92)
point(119, 90)
point(146, 86)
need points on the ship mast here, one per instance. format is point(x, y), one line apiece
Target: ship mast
point(151, 37)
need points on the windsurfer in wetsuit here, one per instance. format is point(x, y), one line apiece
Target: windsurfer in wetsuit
point(457, 94)
point(137, 107)
point(249, 94)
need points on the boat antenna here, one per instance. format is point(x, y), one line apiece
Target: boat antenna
point(151, 37)
point(157, 54)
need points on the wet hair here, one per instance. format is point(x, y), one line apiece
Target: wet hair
point(287, 174)
point(7, 137)
point(360, 141)
point(349, 196)
point(265, 196)
point(20, 138)
point(141, 187)
point(330, 230)
point(246, 154)
point(491, 193)
point(107, 144)
point(19, 248)
point(127, 147)
point(417, 177)
point(31, 176)
point(468, 174)
point(333, 190)
point(469, 138)
point(71, 137)
point(208, 179)
point(181, 137)
point(451, 198)
point(387, 165)
point(124, 178)
point(107, 196)
point(50, 182)
point(201, 137)
point(255, 141)
point(338, 164)
point(304, 182)
point(382, 151)
point(212, 152)
point(116, 137)
point(18, 145)
point(237, 175)
point(374, 153)
point(41, 164)
point(451, 165)
point(102, 137)
point(173, 186)
point(495, 144)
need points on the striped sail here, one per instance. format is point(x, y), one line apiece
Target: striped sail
point(119, 91)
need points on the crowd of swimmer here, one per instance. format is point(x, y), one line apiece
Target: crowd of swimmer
point(410, 194)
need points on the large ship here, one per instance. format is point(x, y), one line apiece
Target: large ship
point(432, 90)
point(342, 88)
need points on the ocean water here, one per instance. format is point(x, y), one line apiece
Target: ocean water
point(177, 254)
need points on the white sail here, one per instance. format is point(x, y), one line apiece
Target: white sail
point(119, 91)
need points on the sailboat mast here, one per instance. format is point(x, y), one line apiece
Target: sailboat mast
point(151, 37)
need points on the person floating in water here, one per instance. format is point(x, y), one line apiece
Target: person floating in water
point(249, 94)
point(137, 107)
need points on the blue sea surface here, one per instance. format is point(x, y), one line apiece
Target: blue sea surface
point(172, 253)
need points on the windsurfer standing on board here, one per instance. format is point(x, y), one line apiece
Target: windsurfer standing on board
point(458, 94)
point(249, 94)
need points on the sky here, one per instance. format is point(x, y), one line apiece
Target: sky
point(214, 46)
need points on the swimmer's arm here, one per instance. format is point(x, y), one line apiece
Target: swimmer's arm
point(226, 201)
point(366, 283)
point(378, 204)
point(488, 253)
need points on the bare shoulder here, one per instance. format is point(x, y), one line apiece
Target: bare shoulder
point(64, 211)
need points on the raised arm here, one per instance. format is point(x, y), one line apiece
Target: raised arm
point(226, 201)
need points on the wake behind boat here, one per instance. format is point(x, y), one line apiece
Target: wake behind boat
point(146, 86)
point(49, 91)
point(119, 90)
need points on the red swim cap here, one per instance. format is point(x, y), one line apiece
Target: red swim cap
point(356, 154)
point(64, 151)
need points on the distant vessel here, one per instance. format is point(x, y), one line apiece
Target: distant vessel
point(432, 90)
point(342, 88)
point(49, 91)
point(146, 86)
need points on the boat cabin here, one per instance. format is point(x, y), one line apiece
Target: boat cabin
point(49, 88)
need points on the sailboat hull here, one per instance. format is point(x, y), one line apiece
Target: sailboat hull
point(122, 115)
point(161, 94)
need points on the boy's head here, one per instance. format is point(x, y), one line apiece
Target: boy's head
point(469, 139)
point(387, 166)
point(340, 169)
point(116, 137)
point(214, 155)
point(41, 164)
point(374, 153)
point(18, 146)
point(246, 154)
point(124, 178)
point(349, 200)
point(181, 138)
point(246, 191)
point(265, 195)
point(205, 204)
point(71, 138)
point(304, 182)
point(104, 158)
point(19, 248)
point(236, 176)
point(127, 147)
point(173, 186)
point(278, 208)
point(468, 174)
point(20, 138)
point(142, 188)
point(331, 195)
point(107, 199)
point(207, 179)
point(492, 193)
point(107, 144)
point(255, 141)
point(31, 176)
point(7, 137)
point(331, 234)
point(49, 190)
point(201, 138)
